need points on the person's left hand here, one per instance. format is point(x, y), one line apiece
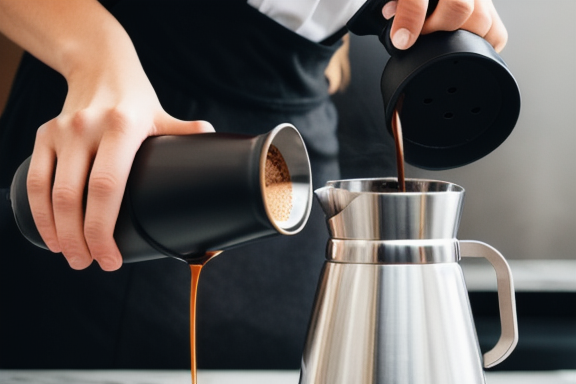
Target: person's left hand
point(477, 16)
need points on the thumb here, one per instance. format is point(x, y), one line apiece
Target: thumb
point(168, 125)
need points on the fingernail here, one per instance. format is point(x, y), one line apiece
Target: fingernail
point(401, 38)
point(205, 126)
point(389, 10)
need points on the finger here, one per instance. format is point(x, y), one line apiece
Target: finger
point(389, 9)
point(449, 15)
point(408, 22)
point(168, 125)
point(497, 36)
point(481, 19)
point(39, 188)
point(105, 191)
point(68, 204)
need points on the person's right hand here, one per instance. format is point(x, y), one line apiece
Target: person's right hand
point(477, 16)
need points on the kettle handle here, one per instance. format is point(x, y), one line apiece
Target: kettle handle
point(506, 300)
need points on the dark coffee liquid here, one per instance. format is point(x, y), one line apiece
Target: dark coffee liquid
point(195, 269)
point(397, 132)
point(194, 276)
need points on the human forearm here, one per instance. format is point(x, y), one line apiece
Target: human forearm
point(69, 36)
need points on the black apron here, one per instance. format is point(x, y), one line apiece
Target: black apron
point(220, 61)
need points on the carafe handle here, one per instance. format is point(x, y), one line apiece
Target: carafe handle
point(506, 300)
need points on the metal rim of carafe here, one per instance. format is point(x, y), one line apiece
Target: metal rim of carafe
point(426, 251)
point(376, 223)
point(410, 182)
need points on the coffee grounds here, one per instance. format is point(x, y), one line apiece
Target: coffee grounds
point(278, 186)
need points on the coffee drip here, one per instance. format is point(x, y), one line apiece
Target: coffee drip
point(195, 269)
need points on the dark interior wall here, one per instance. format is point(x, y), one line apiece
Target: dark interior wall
point(366, 147)
point(10, 55)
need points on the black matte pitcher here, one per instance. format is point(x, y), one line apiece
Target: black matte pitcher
point(189, 195)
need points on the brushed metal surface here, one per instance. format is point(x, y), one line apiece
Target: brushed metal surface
point(393, 251)
point(392, 324)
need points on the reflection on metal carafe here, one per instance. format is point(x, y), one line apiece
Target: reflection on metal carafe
point(392, 305)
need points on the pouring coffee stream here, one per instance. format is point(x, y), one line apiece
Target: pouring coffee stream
point(196, 266)
point(399, 145)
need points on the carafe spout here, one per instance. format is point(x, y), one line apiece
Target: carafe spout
point(334, 200)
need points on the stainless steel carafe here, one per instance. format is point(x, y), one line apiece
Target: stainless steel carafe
point(392, 305)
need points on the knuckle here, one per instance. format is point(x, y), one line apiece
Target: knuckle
point(44, 131)
point(95, 234)
point(102, 184)
point(483, 22)
point(461, 7)
point(79, 121)
point(117, 120)
point(65, 197)
point(43, 220)
point(35, 183)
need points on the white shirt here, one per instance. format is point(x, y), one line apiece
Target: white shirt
point(313, 19)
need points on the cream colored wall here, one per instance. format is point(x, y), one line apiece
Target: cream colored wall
point(522, 197)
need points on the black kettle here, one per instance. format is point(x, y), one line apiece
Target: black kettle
point(459, 99)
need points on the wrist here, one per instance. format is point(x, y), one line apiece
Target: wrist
point(93, 58)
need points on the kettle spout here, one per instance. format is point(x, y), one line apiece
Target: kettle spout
point(334, 200)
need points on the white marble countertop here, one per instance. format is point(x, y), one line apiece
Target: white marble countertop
point(231, 377)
